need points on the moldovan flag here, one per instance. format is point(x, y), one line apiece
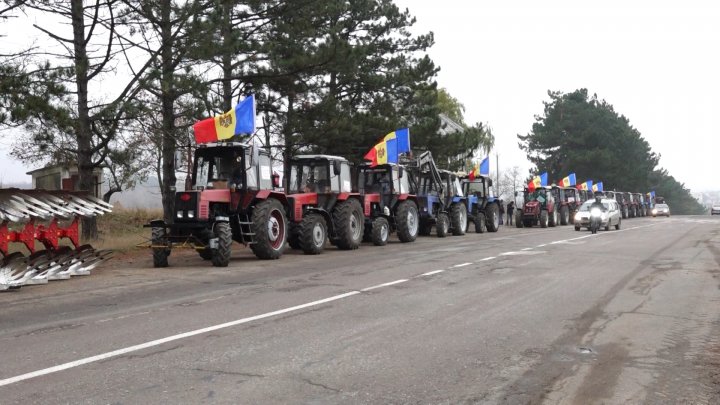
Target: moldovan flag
point(480, 170)
point(568, 181)
point(538, 181)
point(391, 146)
point(239, 120)
point(586, 186)
point(598, 186)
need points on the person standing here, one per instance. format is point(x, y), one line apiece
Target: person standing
point(501, 203)
point(510, 212)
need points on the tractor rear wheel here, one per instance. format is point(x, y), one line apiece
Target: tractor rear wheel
point(552, 219)
point(543, 219)
point(380, 231)
point(480, 223)
point(270, 228)
point(313, 233)
point(564, 215)
point(160, 255)
point(458, 217)
point(348, 221)
point(442, 227)
point(221, 255)
point(519, 223)
point(492, 216)
point(407, 221)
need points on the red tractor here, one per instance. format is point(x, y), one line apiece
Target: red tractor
point(388, 204)
point(538, 209)
point(322, 204)
point(232, 198)
point(568, 200)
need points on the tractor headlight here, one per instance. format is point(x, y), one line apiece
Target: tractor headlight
point(179, 214)
point(191, 214)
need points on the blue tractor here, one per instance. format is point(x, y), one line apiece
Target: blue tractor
point(482, 207)
point(457, 202)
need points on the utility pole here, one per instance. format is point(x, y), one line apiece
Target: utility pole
point(497, 173)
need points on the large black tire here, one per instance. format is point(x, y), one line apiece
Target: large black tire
point(492, 216)
point(543, 219)
point(407, 221)
point(480, 223)
point(205, 254)
point(458, 219)
point(313, 234)
point(442, 227)
point(348, 221)
point(270, 228)
point(624, 212)
point(564, 215)
point(221, 255)
point(577, 227)
point(519, 223)
point(617, 226)
point(552, 219)
point(380, 231)
point(160, 255)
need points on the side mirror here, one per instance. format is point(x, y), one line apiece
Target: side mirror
point(401, 172)
point(337, 165)
point(489, 182)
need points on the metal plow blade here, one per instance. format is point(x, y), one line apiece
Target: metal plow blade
point(14, 271)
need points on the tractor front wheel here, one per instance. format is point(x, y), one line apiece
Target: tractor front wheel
point(519, 223)
point(480, 223)
point(407, 221)
point(458, 217)
point(443, 225)
point(564, 215)
point(380, 231)
point(493, 217)
point(269, 226)
point(313, 233)
point(543, 219)
point(221, 254)
point(349, 220)
point(160, 254)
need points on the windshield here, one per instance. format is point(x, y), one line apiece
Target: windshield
point(586, 205)
point(375, 180)
point(309, 177)
point(477, 187)
point(537, 195)
point(218, 167)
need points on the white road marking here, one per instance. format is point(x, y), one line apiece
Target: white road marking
point(460, 265)
point(540, 246)
point(157, 342)
point(528, 248)
point(487, 258)
point(519, 253)
point(430, 273)
point(385, 284)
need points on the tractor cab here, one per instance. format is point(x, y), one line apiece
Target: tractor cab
point(426, 183)
point(456, 201)
point(388, 180)
point(234, 166)
point(321, 174)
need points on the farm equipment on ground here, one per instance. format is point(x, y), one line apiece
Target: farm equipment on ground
point(538, 209)
point(232, 198)
point(27, 216)
point(322, 204)
point(387, 203)
point(483, 207)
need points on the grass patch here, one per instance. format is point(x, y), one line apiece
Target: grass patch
point(122, 229)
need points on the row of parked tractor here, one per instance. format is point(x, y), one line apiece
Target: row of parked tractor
point(234, 195)
point(554, 205)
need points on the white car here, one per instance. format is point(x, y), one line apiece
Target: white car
point(661, 209)
point(715, 210)
point(610, 215)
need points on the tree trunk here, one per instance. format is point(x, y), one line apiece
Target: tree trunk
point(82, 127)
point(227, 56)
point(168, 113)
point(288, 134)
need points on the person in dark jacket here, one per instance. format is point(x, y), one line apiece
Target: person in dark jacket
point(510, 212)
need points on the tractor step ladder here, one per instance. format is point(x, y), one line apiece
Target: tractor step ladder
point(248, 236)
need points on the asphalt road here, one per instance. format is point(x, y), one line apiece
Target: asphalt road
point(519, 316)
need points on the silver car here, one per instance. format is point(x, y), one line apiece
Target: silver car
point(610, 216)
point(715, 210)
point(661, 209)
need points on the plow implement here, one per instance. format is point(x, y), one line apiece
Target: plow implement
point(27, 216)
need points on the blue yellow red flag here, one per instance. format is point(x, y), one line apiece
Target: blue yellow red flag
point(389, 148)
point(239, 120)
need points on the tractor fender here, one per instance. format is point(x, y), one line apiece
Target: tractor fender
point(296, 203)
point(458, 199)
point(367, 201)
point(157, 223)
point(326, 215)
point(403, 197)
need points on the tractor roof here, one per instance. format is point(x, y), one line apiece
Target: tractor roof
point(320, 157)
point(223, 144)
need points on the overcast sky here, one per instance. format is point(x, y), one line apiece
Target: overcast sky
point(656, 62)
